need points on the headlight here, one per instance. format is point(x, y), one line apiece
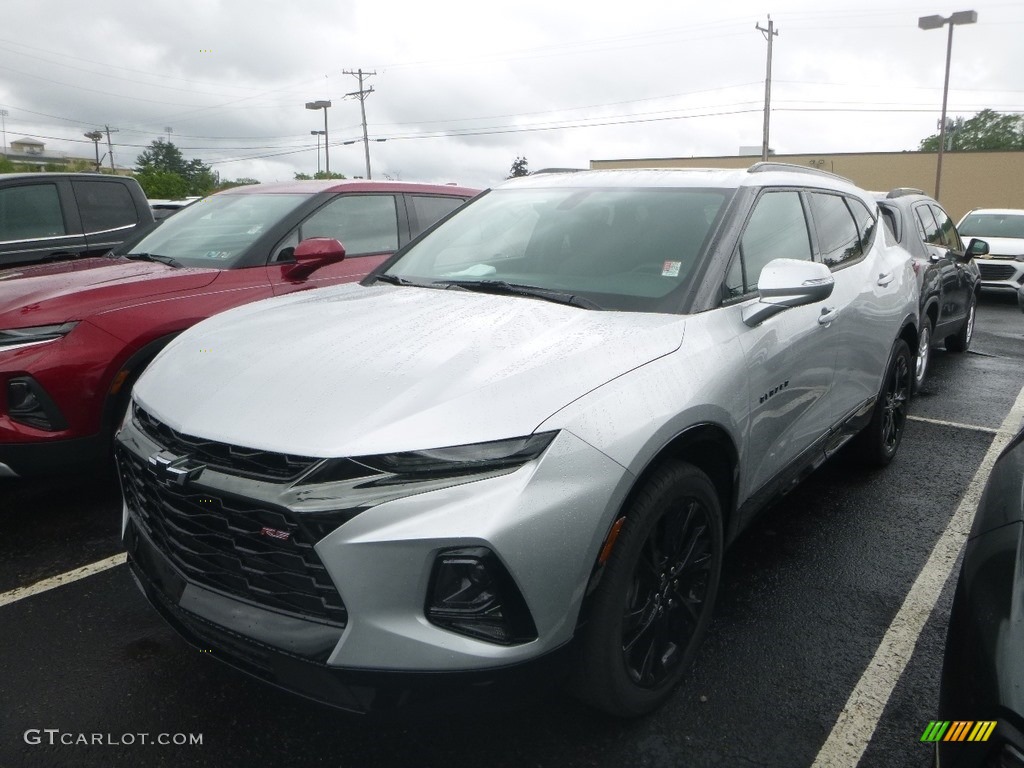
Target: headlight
point(435, 463)
point(23, 337)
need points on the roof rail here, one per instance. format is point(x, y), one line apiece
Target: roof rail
point(901, 191)
point(765, 166)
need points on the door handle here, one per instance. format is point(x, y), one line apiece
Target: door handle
point(828, 314)
point(885, 278)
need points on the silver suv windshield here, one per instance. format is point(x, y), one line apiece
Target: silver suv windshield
point(993, 225)
point(626, 249)
point(216, 231)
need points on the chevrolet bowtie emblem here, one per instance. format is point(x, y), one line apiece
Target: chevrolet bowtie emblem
point(175, 470)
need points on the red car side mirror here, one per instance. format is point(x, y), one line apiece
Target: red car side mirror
point(313, 253)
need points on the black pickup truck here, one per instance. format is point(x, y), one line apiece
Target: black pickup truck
point(60, 216)
point(948, 276)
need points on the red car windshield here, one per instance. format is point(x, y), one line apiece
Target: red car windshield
point(216, 231)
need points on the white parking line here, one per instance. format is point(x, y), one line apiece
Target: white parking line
point(61, 579)
point(956, 424)
point(856, 725)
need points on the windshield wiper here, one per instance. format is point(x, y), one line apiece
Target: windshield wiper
point(396, 280)
point(515, 289)
point(156, 258)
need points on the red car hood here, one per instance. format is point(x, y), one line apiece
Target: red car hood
point(56, 293)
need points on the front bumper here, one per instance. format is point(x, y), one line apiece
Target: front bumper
point(1003, 274)
point(545, 522)
point(290, 653)
point(53, 456)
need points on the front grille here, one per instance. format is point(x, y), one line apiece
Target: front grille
point(223, 457)
point(996, 271)
point(220, 542)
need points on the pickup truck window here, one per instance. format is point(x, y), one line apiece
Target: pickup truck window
point(30, 211)
point(104, 206)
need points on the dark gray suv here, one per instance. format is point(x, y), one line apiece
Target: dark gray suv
point(948, 277)
point(60, 216)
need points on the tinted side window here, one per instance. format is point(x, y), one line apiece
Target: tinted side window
point(947, 231)
point(838, 238)
point(428, 209)
point(363, 224)
point(104, 206)
point(864, 220)
point(929, 229)
point(30, 211)
point(777, 229)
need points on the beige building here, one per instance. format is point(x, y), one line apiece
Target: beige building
point(969, 179)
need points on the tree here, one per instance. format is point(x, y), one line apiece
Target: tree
point(319, 175)
point(162, 185)
point(986, 130)
point(519, 168)
point(164, 157)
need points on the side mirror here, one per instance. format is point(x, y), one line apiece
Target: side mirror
point(313, 253)
point(786, 283)
point(976, 248)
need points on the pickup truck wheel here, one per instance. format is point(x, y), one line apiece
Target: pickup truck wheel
point(878, 443)
point(656, 595)
point(961, 340)
point(924, 354)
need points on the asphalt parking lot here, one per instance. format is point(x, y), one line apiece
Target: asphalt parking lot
point(808, 596)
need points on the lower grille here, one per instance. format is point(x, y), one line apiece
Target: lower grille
point(233, 545)
point(996, 271)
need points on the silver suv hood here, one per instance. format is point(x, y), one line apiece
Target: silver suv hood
point(352, 371)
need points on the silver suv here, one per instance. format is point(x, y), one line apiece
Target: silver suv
point(1003, 230)
point(522, 442)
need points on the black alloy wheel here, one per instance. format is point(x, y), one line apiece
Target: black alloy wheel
point(665, 600)
point(654, 603)
point(878, 443)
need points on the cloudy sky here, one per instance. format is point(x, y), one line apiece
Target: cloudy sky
point(463, 88)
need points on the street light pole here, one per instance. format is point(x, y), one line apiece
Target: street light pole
point(937, 22)
point(322, 104)
point(318, 134)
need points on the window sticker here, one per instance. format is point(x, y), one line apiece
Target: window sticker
point(671, 268)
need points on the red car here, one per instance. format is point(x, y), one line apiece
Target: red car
point(75, 335)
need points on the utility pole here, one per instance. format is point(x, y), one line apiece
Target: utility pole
point(95, 137)
point(3, 122)
point(361, 94)
point(769, 34)
point(110, 147)
point(168, 129)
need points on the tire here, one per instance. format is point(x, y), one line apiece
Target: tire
point(923, 358)
point(877, 444)
point(656, 596)
point(961, 340)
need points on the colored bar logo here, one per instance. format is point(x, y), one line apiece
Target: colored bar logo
point(958, 730)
